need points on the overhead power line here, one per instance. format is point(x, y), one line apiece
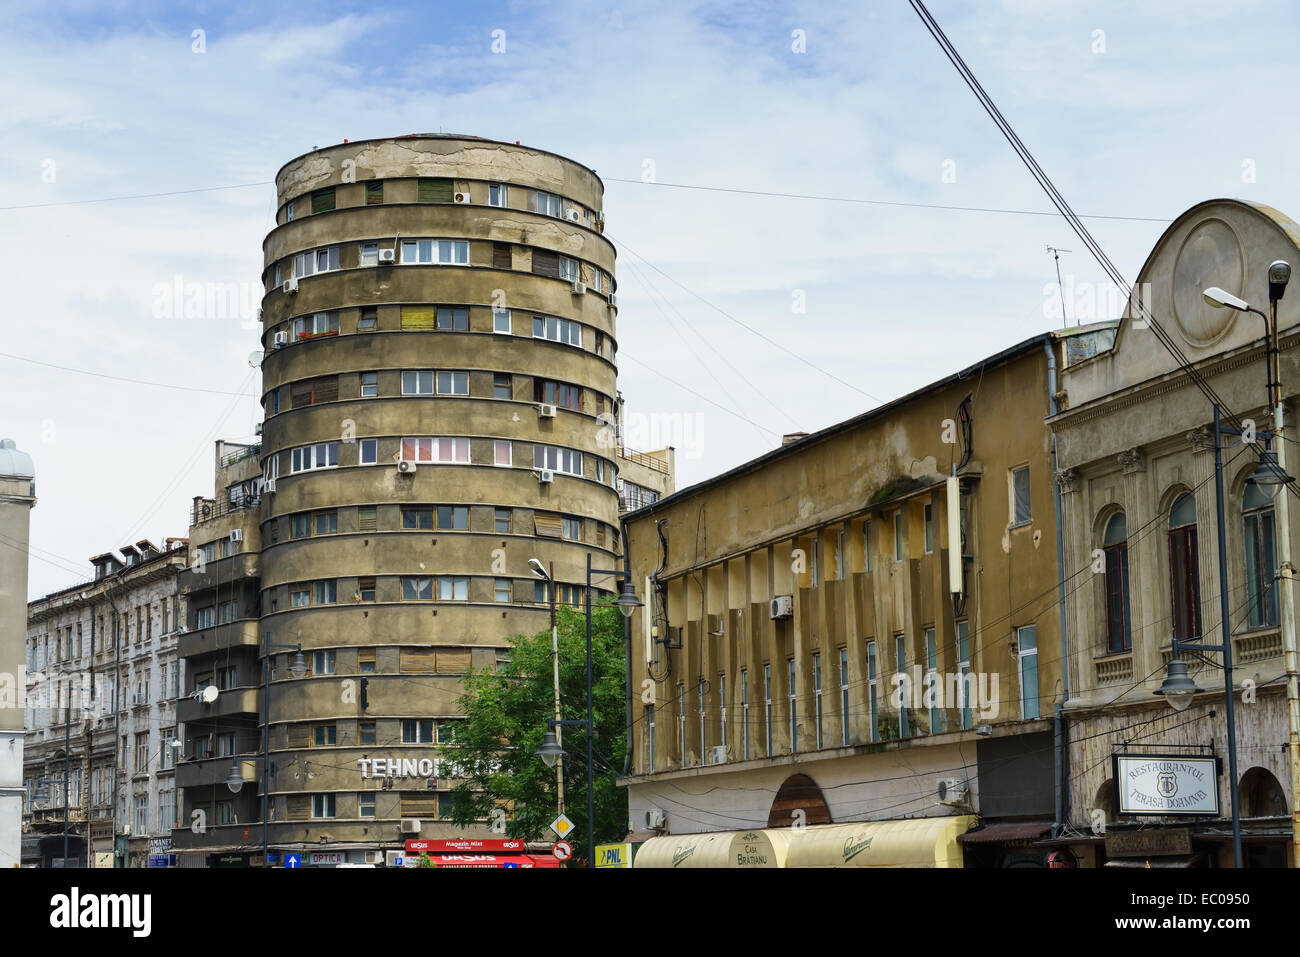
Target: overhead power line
point(118, 378)
point(118, 199)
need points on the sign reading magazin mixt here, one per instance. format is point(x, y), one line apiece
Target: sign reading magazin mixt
point(1166, 784)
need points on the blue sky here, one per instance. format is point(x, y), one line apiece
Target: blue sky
point(110, 100)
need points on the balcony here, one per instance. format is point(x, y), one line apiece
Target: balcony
point(212, 771)
point(221, 571)
point(231, 702)
point(641, 458)
point(209, 509)
point(241, 633)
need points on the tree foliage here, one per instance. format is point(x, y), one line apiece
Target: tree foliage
point(503, 781)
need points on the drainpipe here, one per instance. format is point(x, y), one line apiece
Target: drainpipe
point(1058, 718)
point(627, 650)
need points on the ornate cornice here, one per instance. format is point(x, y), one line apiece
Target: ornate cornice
point(1132, 460)
point(1068, 480)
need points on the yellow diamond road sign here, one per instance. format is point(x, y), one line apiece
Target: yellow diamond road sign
point(562, 825)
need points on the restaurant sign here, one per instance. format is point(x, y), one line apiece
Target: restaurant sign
point(1160, 784)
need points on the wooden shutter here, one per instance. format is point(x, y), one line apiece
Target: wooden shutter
point(419, 804)
point(420, 661)
point(546, 524)
point(435, 190)
point(297, 807)
point(374, 193)
point(546, 263)
point(301, 394)
point(419, 317)
point(453, 662)
point(326, 389)
point(502, 256)
point(322, 201)
point(367, 522)
point(298, 735)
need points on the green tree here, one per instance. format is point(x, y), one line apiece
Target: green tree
point(495, 754)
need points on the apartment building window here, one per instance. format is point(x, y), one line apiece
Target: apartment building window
point(1119, 636)
point(308, 327)
point(548, 204)
point(963, 673)
point(453, 383)
point(369, 385)
point(681, 722)
point(141, 753)
point(503, 516)
point(166, 810)
point(453, 318)
point(366, 733)
point(502, 452)
point(323, 735)
point(1020, 513)
point(325, 523)
point(571, 528)
point(417, 382)
point(767, 707)
point(227, 678)
point(650, 734)
point(496, 194)
point(300, 598)
point(453, 517)
point(323, 662)
point(322, 200)
point(417, 588)
point(437, 251)
point(324, 592)
point(205, 617)
point(929, 528)
point(365, 804)
point(1261, 556)
point(568, 269)
point(898, 536)
point(699, 693)
point(557, 330)
point(167, 753)
point(501, 590)
point(226, 744)
point(844, 696)
point(288, 211)
point(557, 393)
point(453, 588)
point(722, 707)
point(417, 731)
point(1027, 646)
point(817, 696)
point(316, 260)
point(142, 814)
point(322, 806)
point(932, 677)
point(417, 518)
point(370, 254)
point(900, 667)
point(440, 449)
point(557, 459)
point(368, 452)
point(375, 193)
point(366, 661)
point(367, 518)
point(790, 700)
point(324, 455)
point(502, 386)
point(501, 321)
point(503, 256)
point(744, 713)
point(439, 190)
point(1184, 569)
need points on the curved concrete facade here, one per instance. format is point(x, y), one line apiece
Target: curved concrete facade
point(499, 299)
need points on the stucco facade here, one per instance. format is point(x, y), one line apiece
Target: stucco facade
point(17, 497)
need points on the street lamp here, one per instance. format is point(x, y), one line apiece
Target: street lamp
point(550, 751)
point(1271, 474)
point(549, 577)
point(1178, 687)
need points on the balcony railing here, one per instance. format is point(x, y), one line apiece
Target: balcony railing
point(215, 508)
point(641, 458)
point(243, 453)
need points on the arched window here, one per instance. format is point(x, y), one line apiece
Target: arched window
point(1261, 557)
point(1119, 635)
point(1184, 577)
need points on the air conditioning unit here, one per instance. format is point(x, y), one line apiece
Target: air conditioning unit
point(545, 410)
point(780, 607)
point(612, 300)
point(410, 825)
point(280, 339)
point(579, 288)
point(655, 819)
point(406, 467)
point(390, 857)
point(545, 476)
point(374, 857)
point(269, 486)
point(236, 536)
point(387, 257)
point(126, 829)
point(290, 284)
point(257, 429)
point(718, 754)
point(953, 792)
point(574, 216)
point(461, 198)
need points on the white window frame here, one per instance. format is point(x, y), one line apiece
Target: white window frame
point(323, 807)
point(502, 317)
point(310, 458)
point(498, 195)
point(1021, 656)
point(370, 254)
point(370, 446)
point(567, 331)
point(963, 674)
point(767, 707)
point(372, 386)
point(324, 662)
point(817, 695)
point(309, 263)
point(419, 381)
point(451, 588)
point(1016, 521)
point(898, 536)
point(456, 378)
point(928, 521)
point(844, 697)
point(933, 678)
point(435, 252)
point(744, 713)
point(556, 458)
point(500, 445)
point(570, 269)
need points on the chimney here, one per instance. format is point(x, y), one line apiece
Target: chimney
point(792, 437)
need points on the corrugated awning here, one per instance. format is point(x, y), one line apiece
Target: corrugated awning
point(1006, 831)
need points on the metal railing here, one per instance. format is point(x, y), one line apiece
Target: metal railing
point(209, 509)
point(642, 458)
point(245, 452)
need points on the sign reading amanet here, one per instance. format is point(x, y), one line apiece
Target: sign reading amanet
point(1166, 784)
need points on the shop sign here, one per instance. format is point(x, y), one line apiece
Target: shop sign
point(396, 767)
point(326, 858)
point(613, 855)
point(1154, 842)
point(454, 845)
point(1159, 784)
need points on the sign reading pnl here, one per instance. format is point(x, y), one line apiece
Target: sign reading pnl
point(1159, 784)
point(613, 855)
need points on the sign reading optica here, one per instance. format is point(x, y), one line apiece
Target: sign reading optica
point(1158, 784)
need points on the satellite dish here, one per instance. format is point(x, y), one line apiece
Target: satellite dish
point(210, 694)
point(255, 358)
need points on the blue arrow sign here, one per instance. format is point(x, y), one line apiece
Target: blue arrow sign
point(292, 860)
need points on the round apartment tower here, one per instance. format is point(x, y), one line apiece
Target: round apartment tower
point(439, 392)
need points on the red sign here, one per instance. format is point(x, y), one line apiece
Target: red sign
point(493, 860)
point(466, 845)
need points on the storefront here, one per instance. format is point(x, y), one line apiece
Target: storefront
point(919, 842)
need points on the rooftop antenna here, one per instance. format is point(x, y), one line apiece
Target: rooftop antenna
point(1056, 253)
